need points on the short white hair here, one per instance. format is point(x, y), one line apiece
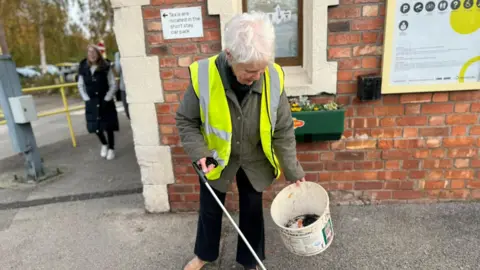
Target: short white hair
point(250, 37)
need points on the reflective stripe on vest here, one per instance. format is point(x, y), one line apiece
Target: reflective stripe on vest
point(215, 113)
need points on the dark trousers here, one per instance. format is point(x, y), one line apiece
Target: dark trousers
point(251, 223)
point(111, 139)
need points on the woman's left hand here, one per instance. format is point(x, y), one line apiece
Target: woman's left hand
point(300, 181)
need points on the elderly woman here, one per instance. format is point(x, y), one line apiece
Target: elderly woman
point(96, 84)
point(237, 112)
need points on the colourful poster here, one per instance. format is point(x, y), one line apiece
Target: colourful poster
point(431, 46)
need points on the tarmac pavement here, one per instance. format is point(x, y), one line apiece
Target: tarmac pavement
point(116, 233)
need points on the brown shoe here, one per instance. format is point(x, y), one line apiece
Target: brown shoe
point(195, 264)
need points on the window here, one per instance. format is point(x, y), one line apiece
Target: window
point(287, 17)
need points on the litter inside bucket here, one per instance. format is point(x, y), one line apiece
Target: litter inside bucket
point(302, 215)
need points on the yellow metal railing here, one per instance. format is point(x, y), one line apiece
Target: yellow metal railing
point(66, 109)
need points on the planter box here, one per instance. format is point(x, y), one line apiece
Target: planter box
point(318, 125)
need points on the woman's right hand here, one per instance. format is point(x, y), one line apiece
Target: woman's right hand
point(203, 164)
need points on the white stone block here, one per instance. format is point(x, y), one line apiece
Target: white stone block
point(144, 124)
point(156, 198)
point(142, 79)
point(129, 3)
point(155, 164)
point(129, 31)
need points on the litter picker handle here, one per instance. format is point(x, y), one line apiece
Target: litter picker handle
point(199, 170)
point(200, 173)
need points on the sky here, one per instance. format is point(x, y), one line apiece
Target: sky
point(74, 14)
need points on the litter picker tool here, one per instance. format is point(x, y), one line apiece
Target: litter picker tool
point(200, 173)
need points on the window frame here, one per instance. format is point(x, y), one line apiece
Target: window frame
point(290, 61)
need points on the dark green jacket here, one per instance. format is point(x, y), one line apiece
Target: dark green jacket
point(247, 151)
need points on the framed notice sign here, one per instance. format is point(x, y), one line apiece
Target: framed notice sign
point(431, 45)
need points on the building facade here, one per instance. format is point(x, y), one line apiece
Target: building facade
point(402, 148)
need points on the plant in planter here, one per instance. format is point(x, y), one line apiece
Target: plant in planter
point(317, 122)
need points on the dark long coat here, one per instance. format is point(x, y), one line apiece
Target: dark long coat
point(100, 115)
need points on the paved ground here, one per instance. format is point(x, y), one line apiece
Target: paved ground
point(115, 233)
point(84, 172)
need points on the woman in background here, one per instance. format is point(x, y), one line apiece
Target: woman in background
point(96, 84)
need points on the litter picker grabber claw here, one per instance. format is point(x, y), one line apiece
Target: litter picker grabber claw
point(202, 176)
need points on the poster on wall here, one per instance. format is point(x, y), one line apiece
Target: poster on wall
point(431, 46)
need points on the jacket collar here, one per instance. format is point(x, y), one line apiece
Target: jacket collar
point(224, 69)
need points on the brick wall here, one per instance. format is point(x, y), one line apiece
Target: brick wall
point(402, 148)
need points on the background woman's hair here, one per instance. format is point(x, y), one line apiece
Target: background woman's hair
point(250, 37)
point(100, 60)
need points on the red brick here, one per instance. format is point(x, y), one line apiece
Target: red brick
point(370, 11)
point(462, 119)
point(171, 2)
point(462, 163)
point(171, 97)
point(338, 166)
point(391, 99)
point(396, 154)
point(406, 195)
point(435, 131)
point(313, 166)
point(166, 74)
point(367, 50)
point(339, 53)
point(155, 39)
point(385, 144)
point(459, 131)
point(437, 153)
point(211, 23)
point(458, 142)
point(368, 165)
point(392, 175)
point(406, 144)
point(475, 107)
point(176, 85)
point(440, 97)
point(308, 157)
point(412, 109)
point(380, 195)
point(437, 164)
point(168, 130)
point(392, 164)
point(369, 37)
point(367, 24)
point(370, 62)
point(435, 184)
point(368, 185)
point(163, 108)
point(346, 88)
point(184, 61)
point(168, 62)
point(416, 175)
point(338, 145)
point(343, 75)
point(166, 119)
point(367, 1)
point(361, 144)
point(354, 176)
point(461, 174)
point(436, 120)
point(416, 98)
point(475, 130)
point(343, 38)
point(437, 108)
point(209, 35)
point(412, 121)
point(422, 153)
point(465, 96)
point(462, 108)
point(353, 63)
point(184, 49)
point(341, 12)
point(365, 111)
point(457, 184)
point(157, 2)
point(389, 110)
point(358, 73)
point(151, 13)
point(410, 132)
point(153, 26)
point(182, 73)
point(462, 153)
point(211, 47)
point(388, 122)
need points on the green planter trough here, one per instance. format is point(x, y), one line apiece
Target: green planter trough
point(323, 125)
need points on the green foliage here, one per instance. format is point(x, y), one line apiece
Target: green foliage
point(303, 104)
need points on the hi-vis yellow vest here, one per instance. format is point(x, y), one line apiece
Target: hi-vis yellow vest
point(215, 113)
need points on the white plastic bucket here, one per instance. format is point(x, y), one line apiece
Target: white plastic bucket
point(293, 201)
